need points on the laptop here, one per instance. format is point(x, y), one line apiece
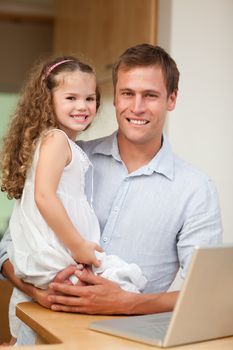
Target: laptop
point(204, 309)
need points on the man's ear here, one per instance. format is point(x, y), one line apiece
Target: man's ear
point(172, 101)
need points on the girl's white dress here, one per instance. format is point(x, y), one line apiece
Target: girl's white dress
point(36, 252)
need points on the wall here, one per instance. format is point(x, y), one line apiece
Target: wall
point(198, 34)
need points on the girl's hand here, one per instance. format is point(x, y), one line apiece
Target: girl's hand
point(85, 253)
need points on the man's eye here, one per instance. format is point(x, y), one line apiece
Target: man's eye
point(127, 93)
point(151, 95)
point(72, 98)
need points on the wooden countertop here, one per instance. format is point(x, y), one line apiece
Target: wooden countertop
point(67, 331)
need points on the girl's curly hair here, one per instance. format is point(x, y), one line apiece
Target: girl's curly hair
point(33, 116)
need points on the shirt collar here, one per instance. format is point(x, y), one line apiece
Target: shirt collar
point(108, 146)
point(162, 163)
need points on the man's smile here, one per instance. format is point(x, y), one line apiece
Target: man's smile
point(137, 121)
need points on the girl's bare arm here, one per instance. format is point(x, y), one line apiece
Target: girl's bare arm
point(55, 154)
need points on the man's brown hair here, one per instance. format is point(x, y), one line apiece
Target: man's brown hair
point(148, 55)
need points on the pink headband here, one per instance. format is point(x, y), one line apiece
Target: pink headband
point(54, 66)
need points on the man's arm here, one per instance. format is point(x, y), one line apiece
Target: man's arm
point(8, 273)
point(102, 296)
point(39, 295)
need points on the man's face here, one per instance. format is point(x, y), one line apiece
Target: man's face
point(141, 104)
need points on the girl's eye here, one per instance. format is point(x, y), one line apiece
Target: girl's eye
point(72, 98)
point(91, 98)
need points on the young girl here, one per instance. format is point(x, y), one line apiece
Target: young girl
point(52, 224)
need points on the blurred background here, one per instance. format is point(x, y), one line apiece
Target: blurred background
point(197, 33)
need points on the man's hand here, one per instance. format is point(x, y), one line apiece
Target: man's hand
point(98, 296)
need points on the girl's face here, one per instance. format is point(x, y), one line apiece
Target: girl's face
point(74, 101)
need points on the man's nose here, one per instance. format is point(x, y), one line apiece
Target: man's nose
point(138, 105)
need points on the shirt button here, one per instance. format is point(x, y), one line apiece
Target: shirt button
point(116, 209)
point(105, 239)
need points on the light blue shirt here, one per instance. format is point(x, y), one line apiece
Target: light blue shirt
point(153, 216)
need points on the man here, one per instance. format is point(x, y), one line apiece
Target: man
point(153, 208)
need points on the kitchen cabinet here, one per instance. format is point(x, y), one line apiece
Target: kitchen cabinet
point(98, 31)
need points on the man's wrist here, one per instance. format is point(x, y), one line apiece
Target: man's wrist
point(139, 304)
point(32, 291)
point(128, 303)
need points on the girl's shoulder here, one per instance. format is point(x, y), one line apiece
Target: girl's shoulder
point(54, 142)
point(54, 131)
point(54, 135)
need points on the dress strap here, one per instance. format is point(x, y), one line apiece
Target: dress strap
point(92, 183)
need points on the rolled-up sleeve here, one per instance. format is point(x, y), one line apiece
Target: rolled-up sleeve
point(202, 226)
